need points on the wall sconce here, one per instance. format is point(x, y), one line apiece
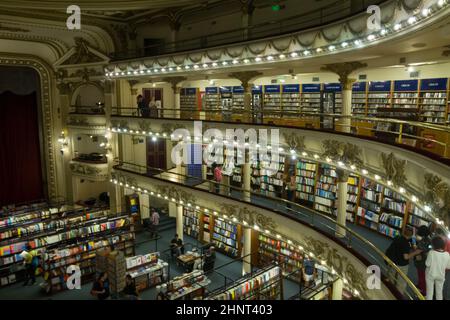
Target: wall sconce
point(64, 143)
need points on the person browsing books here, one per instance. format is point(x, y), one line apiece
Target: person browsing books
point(130, 291)
point(31, 263)
point(176, 246)
point(100, 289)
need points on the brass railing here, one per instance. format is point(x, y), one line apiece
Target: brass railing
point(422, 137)
point(295, 211)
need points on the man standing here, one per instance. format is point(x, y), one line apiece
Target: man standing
point(400, 253)
point(143, 107)
point(155, 222)
point(218, 177)
point(31, 262)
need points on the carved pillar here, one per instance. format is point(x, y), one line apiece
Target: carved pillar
point(246, 178)
point(247, 250)
point(245, 77)
point(179, 222)
point(175, 24)
point(174, 81)
point(337, 289)
point(247, 9)
point(342, 197)
point(65, 176)
point(343, 70)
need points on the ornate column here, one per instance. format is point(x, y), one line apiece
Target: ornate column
point(342, 195)
point(247, 250)
point(343, 70)
point(245, 77)
point(65, 90)
point(247, 9)
point(175, 24)
point(246, 177)
point(337, 289)
point(174, 81)
point(179, 222)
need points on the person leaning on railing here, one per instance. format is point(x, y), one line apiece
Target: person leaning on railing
point(400, 252)
point(143, 108)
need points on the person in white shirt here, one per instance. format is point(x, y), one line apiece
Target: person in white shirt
point(155, 222)
point(437, 261)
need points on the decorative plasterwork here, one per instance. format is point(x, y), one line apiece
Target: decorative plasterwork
point(394, 168)
point(176, 193)
point(81, 54)
point(340, 264)
point(437, 194)
point(343, 70)
point(340, 151)
point(47, 113)
point(321, 41)
point(12, 29)
point(251, 217)
point(294, 141)
point(90, 171)
point(245, 77)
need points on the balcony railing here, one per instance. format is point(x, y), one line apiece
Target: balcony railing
point(431, 140)
point(96, 109)
point(332, 13)
point(356, 243)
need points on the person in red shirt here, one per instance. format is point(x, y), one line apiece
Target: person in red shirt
point(443, 234)
point(218, 177)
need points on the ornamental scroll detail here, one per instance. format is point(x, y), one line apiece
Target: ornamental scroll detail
point(250, 216)
point(294, 141)
point(176, 194)
point(340, 264)
point(341, 151)
point(437, 194)
point(394, 168)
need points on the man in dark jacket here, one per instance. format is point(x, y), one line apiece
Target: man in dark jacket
point(423, 244)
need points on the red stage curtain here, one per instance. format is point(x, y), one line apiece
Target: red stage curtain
point(20, 161)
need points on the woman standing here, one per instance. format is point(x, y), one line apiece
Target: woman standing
point(437, 261)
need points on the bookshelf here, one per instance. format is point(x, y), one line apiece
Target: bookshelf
point(352, 197)
point(310, 98)
point(272, 101)
point(227, 237)
point(191, 222)
point(433, 100)
point(238, 99)
point(255, 172)
point(379, 96)
point(263, 285)
point(359, 98)
point(417, 218)
point(290, 99)
point(289, 257)
point(306, 174)
point(212, 99)
point(369, 208)
point(335, 88)
point(271, 174)
point(326, 187)
point(188, 101)
point(190, 286)
point(207, 224)
point(393, 211)
point(404, 102)
point(87, 239)
point(147, 270)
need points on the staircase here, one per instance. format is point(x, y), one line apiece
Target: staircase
point(166, 223)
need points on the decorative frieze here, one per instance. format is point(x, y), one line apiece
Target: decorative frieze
point(437, 194)
point(345, 152)
point(95, 172)
point(394, 168)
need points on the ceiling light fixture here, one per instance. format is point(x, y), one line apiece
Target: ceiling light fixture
point(294, 54)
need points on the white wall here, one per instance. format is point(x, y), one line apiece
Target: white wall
point(88, 95)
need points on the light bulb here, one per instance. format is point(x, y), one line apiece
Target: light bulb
point(344, 44)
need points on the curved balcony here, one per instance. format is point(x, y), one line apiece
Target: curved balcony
point(427, 139)
point(148, 181)
point(330, 14)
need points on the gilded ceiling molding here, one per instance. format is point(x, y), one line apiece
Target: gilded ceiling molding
point(45, 74)
point(245, 77)
point(174, 82)
point(176, 193)
point(437, 194)
point(95, 172)
point(394, 168)
point(12, 29)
